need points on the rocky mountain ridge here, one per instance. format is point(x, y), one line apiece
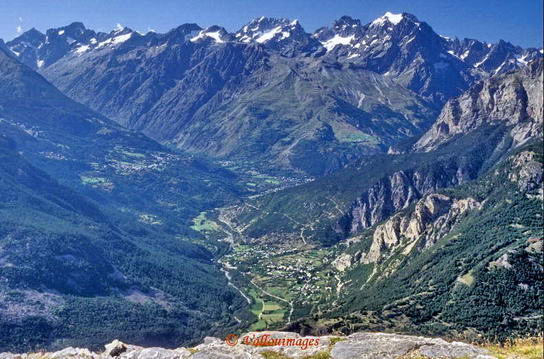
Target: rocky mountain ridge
point(354, 89)
point(513, 99)
point(355, 346)
point(229, 100)
point(347, 34)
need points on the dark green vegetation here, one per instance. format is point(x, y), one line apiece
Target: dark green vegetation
point(322, 208)
point(444, 242)
point(100, 251)
point(93, 155)
point(485, 276)
point(69, 273)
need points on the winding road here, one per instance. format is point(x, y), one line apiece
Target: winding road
point(231, 231)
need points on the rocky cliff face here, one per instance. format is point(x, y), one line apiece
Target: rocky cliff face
point(513, 100)
point(528, 172)
point(397, 192)
point(436, 258)
point(355, 346)
point(433, 217)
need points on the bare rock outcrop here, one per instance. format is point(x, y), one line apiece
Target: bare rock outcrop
point(391, 346)
point(355, 346)
point(513, 99)
point(528, 172)
point(432, 218)
point(398, 192)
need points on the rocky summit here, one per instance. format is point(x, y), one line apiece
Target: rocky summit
point(355, 346)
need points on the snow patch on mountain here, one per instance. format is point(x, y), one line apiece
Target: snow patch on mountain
point(115, 40)
point(216, 36)
point(264, 30)
point(394, 19)
point(337, 40)
point(269, 35)
point(82, 49)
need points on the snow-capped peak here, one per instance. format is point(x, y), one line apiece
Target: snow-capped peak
point(346, 22)
point(346, 31)
point(216, 33)
point(116, 37)
point(265, 29)
point(119, 28)
point(390, 17)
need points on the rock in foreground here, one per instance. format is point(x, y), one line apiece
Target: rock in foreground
point(355, 346)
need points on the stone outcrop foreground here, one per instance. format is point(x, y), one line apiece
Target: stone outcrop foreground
point(355, 346)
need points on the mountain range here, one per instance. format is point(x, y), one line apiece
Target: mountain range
point(269, 93)
point(159, 188)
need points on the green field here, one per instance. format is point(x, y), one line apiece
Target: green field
point(203, 224)
point(267, 311)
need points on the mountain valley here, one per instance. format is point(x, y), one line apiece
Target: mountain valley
point(159, 188)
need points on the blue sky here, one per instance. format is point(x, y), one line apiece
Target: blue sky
point(517, 21)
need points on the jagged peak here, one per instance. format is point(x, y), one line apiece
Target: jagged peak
point(347, 21)
point(74, 28)
point(264, 29)
point(184, 30)
point(263, 23)
point(345, 31)
point(33, 32)
point(394, 19)
point(122, 31)
point(116, 37)
point(76, 25)
point(274, 20)
point(29, 36)
point(119, 28)
point(217, 33)
point(503, 44)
